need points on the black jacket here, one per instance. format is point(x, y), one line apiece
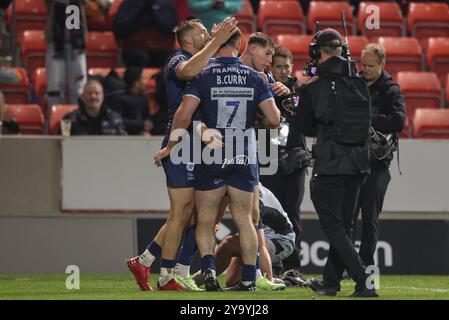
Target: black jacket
point(388, 109)
point(108, 122)
point(331, 158)
point(134, 110)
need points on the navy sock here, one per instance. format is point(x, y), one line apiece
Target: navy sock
point(188, 249)
point(154, 249)
point(169, 264)
point(207, 262)
point(248, 273)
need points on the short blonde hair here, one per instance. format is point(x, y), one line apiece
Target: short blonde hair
point(376, 49)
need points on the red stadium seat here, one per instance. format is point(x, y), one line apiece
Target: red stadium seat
point(58, 111)
point(281, 17)
point(246, 18)
point(298, 45)
point(447, 90)
point(244, 41)
point(18, 92)
point(329, 16)
point(40, 86)
point(33, 48)
point(420, 89)
point(438, 57)
point(105, 71)
point(30, 15)
point(391, 20)
point(405, 133)
point(29, 117)
point(96, 19)
point(356, 45)
point(403, 54)
point(426, 20)
point(101, 50)
point(430, 123)
point(113, 9)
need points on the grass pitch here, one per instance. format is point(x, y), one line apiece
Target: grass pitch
point(123, 287)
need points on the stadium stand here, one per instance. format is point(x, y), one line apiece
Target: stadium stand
point(438, 57)
point(18, 92)
point(243, 41)
point(403, 54)
point(29, 117)
point(102, 50)
point(40, 86)
point(298, 45)
point(246, 18)
point(420, 89)
point(30, 15)
point(328, 15)
point(429, 123)
point(428, 19)
point(32, 49)
point(447, 91)
point(281, 17)
point(391, 20)
point(356, 45)
point(58, 111)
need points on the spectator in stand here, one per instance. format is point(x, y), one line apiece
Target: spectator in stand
point(7, 123)
point(211, 12)
point(147, 24)
point(93, 117)
point(65, 60)
point(133, 104)
point(4, 4)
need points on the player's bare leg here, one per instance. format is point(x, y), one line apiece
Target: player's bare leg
point(208, 204)
point(181, 206)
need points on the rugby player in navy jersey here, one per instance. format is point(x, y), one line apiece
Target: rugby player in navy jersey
point(228, 93)
point(197, 48)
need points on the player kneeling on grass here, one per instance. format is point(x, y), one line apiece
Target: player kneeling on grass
point(276, 242)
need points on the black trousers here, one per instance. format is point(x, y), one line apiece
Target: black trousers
point(289, 190)
point(370, 204)
point(335, 199)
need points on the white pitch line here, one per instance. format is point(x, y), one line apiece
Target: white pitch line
point(415, 288)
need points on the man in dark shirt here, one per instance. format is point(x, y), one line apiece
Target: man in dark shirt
point(133, 104)
point(93, 117)
point(388, 118)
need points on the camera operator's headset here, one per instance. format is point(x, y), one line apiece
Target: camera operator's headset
point(314, 47)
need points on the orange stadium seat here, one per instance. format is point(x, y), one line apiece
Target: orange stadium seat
point(101, 50)
point(58, 111)
point(30, 15)
point(403, 54)
point(420, 89)
point(113, 9)
point(105, 71)
point(426, 20)
point(279, 17)
point(329, 16)
point(447, 90)
point(40, 86)
point(244, 41)
point(356, 45)
point(18, 92)
point(438, 57)
point(29, 117)
point(298, 45)
point(391, 20)
point(430, 123)
point(33, 48)
point(246, 18)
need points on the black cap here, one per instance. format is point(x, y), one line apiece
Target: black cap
point(325, 36)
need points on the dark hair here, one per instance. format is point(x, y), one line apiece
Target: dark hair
point(283, 53)
point(132, 75)
point(183, 27)
point(261, 39)
point(233, 41)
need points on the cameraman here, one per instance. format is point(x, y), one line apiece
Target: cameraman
point(287, 184)
point(388, 117)
point(335, 107)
